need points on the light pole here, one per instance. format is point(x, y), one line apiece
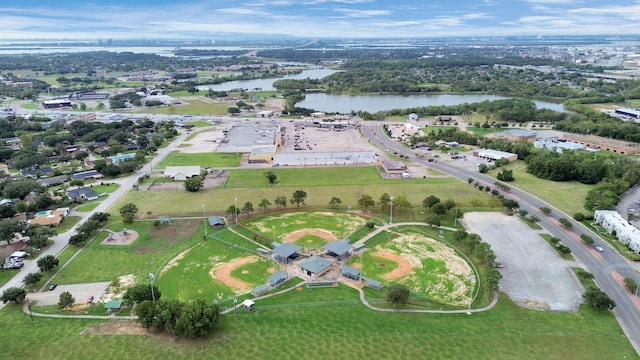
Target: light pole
point(153, 280)
point(391, 210)
point(204, 218)
point(235, 210)
point(472, 279)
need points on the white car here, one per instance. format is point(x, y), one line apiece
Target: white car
point(599, 248)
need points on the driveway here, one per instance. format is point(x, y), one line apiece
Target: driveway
point(534, 275)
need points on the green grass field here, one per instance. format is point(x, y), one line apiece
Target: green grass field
point(194, 107)
point(342, 328)
point(214, 160)
point(567, 196)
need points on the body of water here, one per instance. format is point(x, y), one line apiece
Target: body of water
point(374, 103)
point(266, 84)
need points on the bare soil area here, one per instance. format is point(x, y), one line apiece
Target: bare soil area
point(222, 273)
point(403, 269)
point(292, 237)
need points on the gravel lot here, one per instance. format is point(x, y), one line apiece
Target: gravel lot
point(80, 292)
point(534, 275)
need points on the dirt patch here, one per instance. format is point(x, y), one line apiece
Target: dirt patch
point(125, 327)
point(292, 237)
point(173, 262)
point(271, 270)
point(403, 269)
point(356, 266)
point(124, 237)
point(222, 273)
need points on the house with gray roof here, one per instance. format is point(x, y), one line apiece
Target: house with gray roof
point(82, 193)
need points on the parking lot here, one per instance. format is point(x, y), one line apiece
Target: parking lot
point(533, 274)
point(80, 292)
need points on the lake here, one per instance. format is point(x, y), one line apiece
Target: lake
point(370, 103)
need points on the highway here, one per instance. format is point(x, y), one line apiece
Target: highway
point(601, 265)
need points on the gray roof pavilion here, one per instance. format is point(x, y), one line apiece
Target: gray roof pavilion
point(315, 265)
point(339, 247)
point(284, 251)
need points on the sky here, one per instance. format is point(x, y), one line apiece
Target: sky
point(342, 19)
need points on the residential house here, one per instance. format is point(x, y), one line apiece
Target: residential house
point(82, 193)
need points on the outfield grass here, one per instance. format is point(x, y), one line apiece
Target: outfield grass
point(214, 160)
point(567, 196)
point(341, 328)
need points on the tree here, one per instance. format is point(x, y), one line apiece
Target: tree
point(233, 110)
point(32, 278)
point(299, 197)
point(401, 202)
point(271, 176)
point(598, 299)
point(247, 208)
point(545, 210)
point(439, 209)
point(483, 168)
point(366, 201)
point(433, 220)
point(335, 202)
point(510, 204)
point(47, 263)
point(7, 211)
point(128, 211)
point(398, 294)
point(9, 229)
point(21, 188)
point(385, 201)
point(506, 175)
point(429, 201)
point(194, 184)
point(66, 300)
point(281, 201)
point(449, 204)
point(14, 294)
point(139, 293)
point(588, 240)
point(264, 204)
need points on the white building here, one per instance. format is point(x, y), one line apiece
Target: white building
point(625, 232)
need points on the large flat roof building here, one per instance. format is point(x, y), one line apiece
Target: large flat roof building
point(625, 232)
point(243, 138)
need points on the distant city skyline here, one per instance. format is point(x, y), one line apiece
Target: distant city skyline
point(199, 19)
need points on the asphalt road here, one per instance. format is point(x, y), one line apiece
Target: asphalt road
point(601, 265)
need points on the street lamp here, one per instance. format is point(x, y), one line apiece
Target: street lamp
point(235, 210)
point(204, 218)
point(153, 280)
point(391, 210)
point(472, 279)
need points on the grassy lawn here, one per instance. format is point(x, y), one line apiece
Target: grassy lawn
point(218, 200)
point(67, 224)
point(199, 123)
point(339, 322)
point(6, 275)
point(155, 246)
point(214, 160)
point(567, 196)
point(88, 206)
point(194, 107)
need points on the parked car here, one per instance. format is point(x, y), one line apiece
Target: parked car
point(53, 287)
